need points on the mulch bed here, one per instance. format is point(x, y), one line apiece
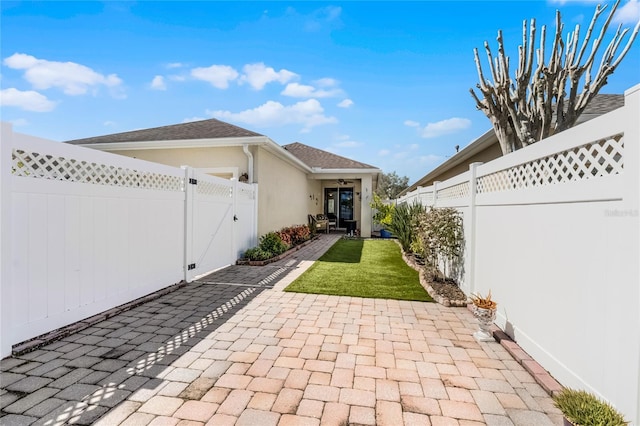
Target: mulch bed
point(446, 293)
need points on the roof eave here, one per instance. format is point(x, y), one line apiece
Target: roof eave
point(481, 143)
point(321, 172)
point(176, 144)
point(279, 151)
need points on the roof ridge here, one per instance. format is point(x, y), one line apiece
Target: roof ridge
point(210, 128)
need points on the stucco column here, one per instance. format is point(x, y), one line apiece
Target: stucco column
point(366, 195)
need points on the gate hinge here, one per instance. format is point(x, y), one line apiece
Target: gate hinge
point(191, 266)
point(193, 181)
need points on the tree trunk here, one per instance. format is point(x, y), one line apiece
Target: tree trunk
point(536, 105)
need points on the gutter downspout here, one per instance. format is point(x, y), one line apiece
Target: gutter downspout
point(245, 148)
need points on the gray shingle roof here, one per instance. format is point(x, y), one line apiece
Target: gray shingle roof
point(204, 129)
point(314, 157)
point(601, 104)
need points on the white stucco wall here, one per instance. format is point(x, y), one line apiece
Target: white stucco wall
point(222, 157)
point(284, 193)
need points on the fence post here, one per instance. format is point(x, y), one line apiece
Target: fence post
point(6, 333)
point(435, 193)
point(632, 194)
point(189, 192)
point(235, 218)
point(472, 227)
point(419, 196)
point(255, 238)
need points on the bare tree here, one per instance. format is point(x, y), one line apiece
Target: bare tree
point(535, 105)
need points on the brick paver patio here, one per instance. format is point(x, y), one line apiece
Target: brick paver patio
point(233, 348)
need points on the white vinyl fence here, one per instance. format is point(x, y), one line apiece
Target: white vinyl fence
point(84, 231)
point(553, 231)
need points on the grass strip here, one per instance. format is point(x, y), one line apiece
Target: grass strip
point(362, 268)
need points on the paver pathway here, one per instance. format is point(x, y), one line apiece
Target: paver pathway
point(229, 349)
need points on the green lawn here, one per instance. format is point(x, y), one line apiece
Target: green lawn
point(362, 268)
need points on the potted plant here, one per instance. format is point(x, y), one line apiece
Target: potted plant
point(383, 214)
point(484, 310)
point(582, 408)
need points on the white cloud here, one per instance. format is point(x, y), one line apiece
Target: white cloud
point(158, 83)
point(345, 103)
point(309, 113)
point(296, 90)
point(444, 127)
point(384, 152)
point(109, 123)
point(29, 100)
point(326, 82)
point(218, 76)
point(629, 13)
point(192, 119)
point(72, 78)
point(258, 75)
point(414, 146)
point(174, 65)
point(411, 123)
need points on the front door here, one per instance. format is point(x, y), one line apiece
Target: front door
point(338, 203)
point(346, 206)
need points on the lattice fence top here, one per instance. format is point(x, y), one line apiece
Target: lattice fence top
point(214, 189)
point(596, 159)
point(460, 190)
point(43, 166)
point(426, 198)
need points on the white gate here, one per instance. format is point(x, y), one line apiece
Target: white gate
point(83, 231)
point(221, 222)
point(209, 225)
point(245, 225)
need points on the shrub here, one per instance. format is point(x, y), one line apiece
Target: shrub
point(256, 253)
point(275, 243)
point(442, 238)
point(384, 212)
point(285, 236)
point(272, 243)
point(294, 235)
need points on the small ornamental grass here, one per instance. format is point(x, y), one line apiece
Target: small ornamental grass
point(483, 302)
point(584, 409)
point(362, 268)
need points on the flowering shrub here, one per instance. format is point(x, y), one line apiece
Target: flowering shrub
point(274, 243)
point(294, 235)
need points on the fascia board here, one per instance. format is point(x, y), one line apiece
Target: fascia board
point(319, 173)
point(285, 155)
point(177, 144)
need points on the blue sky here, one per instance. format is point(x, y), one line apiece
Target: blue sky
point(385, 83)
